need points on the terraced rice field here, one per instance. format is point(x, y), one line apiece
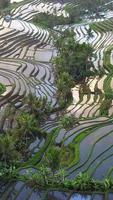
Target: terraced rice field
point(25, 66)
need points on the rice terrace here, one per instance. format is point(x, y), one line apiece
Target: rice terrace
point(56, 100)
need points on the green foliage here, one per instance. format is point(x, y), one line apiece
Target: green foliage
point(73, 58)
point(15, 143)
point(64, 84)
point(52, 158)
point(9, 173)
point(27, 125)
point(8, 152)
point(72, 64)
point(40, 108)
point(83, 182)
point(45, 178)
point(68, 121)
point(2, 88)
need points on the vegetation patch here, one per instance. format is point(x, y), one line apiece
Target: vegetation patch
point(14, 142)
point(46, 20)
point(2, 88)
point(68, 122)
point(72, 65)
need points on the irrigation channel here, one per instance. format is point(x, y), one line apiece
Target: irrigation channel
point(26, 52)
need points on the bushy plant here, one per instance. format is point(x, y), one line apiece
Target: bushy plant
point(68, 121)
point(8, 153)
point(83, 182)
point(10, 172)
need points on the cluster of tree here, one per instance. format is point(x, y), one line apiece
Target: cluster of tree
point(73, 58)
point(14, 142)
point(46, 20)
point(72, 64)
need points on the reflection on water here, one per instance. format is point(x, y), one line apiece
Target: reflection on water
point(87, 197)
point(80, 197)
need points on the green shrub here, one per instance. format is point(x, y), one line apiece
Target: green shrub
point(10, 173)
point(68, 121)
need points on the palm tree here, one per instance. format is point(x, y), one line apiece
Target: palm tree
point(83, 182)
point(38, 107)
point(27, 125)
